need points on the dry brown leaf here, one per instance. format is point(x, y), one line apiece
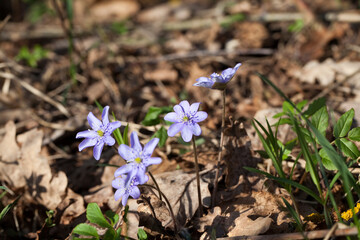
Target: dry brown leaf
point(27, 168)
point(154, 14)
point(161, 74)
point(244, 226)
point(113, 10)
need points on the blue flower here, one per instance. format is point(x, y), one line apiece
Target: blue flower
point(100, 133)
point(126, 186)
point(185, 119)
point(137, 158)
point(217, 81)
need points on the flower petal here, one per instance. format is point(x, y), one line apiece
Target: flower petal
point(194, 108)
point(195, 128)
point(174, 129)
point(118, 182)
point(109, 140)
point(94, 122)
point(105, 115)
point(227, 74)
point(135, 143)
point(123, 169)
point(119, 193)
point(185, 106)
point(179, 111)
point(135, 192)
point(152, 161)
point(112, 126)
point(172, 117)
point(200, 116)
point(87, 134)
point(186, 133)
point(124, 199)
point(204, 82)
point(150, 146)
point(88, 142)
point(141, 176)
point(98, 149)
point(127, 153)
point(237, 66)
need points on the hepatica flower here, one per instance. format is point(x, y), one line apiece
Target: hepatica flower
point(137, 158)
point(216, 81)
point(185, 119)
point(100, 133)
point(125, 187)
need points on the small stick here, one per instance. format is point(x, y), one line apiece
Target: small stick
point(156, 184)
point(197, 178)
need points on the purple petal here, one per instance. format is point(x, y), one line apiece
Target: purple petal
point(152, 161)
point(105, 115)
point(150, 146)
point(194, 108)
point(127, 153)
point(88, 142)
point(109, 140)
point(124, 199)
point(87, 134)
point(112, 126)
point(204, 82)
point(135, 192)
point(172, 117)
point(237, 66)
point(186, 133)
point(94, 122)
point(179, 111)
point(203, 79)
point(141, 176)
point(174, 129)
point(135, 143)
point(123, 169)
point(200, 116)
point(185, 106)
point(119, 193)
point(98, 149)
point(118, 183)
point(195, 128)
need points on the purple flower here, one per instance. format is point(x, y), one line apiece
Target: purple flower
point(185, 119)
point(217, 81)
point(126, 186)
point(138, 158)
point(101, 133)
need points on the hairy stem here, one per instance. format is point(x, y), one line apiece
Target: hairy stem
point(156, 184)
point(213, 200)
point(197, 177)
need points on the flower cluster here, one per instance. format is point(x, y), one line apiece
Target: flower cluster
point(347, 215)
point(133, 173)
point(217, 81)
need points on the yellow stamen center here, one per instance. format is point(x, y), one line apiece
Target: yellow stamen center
point(185, 119)
point(138, 160)
point(100, 133)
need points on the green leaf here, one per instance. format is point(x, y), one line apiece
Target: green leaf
point(142, 234)
point(8, 207)
point(283, 121)
point(354, 134)
point(343, 125)
point(301, 104)
point(320, 120)
point(287, 108)
point(94, 215)
point(348, 148)
point(152, 116)
point(280, 114)
point(293, 213)
point(315, 106)
point(117, 133)
point(3, 188)
point(328, 164)
point(99, 106)
point(114, 218)
point(162, 135)
point(86, 230)
point(110, 234)
point(125, 135)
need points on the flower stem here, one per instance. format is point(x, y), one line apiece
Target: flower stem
point(213, 200)
point(169, 206)
point(197, 178)
point(156, 184)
